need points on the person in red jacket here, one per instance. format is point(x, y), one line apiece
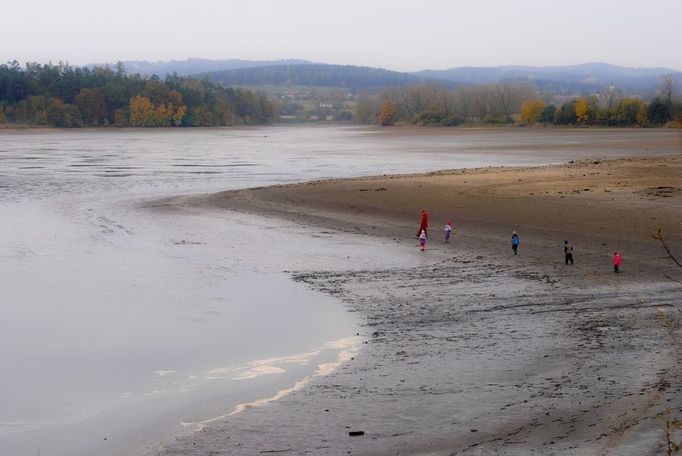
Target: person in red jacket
point(424, 225)
point(616, 261)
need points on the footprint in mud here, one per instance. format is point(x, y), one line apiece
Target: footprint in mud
point(109, 226)
point(662, 191)
point(16, 252)
point(106, 229)
point(186, 242)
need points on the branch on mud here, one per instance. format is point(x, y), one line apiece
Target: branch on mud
point(659, 237)
point(670, 278)
point(669, 427)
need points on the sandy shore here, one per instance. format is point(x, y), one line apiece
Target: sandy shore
point(480, 351)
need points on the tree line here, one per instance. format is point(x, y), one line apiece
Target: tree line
point(516, 102)
point(65, 96)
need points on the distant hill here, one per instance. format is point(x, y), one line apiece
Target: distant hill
point(320, 75)
point(585, 77)
point(195, 66)
point(567, 80)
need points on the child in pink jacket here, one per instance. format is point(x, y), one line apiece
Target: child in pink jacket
point(616, 261)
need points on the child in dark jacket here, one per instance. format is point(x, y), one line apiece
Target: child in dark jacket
point(515, 242)
point(568, 252)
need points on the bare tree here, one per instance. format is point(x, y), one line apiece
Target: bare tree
point(480, 102)
point(667, 88)
point(420, 97)
point(509, 97)
point(443, 100)
point(462, 98)
point(611, 97)
point(504, 93)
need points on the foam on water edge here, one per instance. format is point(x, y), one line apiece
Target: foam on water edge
point(347, 347)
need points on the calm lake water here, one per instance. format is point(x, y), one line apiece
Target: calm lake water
point(119, 322)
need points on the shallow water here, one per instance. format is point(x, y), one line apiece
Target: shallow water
point(119, 321)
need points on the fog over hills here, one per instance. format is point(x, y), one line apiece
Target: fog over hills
point(585, 76)
point(195, 66)
point(569, 79)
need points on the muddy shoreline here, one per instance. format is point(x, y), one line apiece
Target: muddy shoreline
point(478, 351)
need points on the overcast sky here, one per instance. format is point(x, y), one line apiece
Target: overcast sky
point(395, 34)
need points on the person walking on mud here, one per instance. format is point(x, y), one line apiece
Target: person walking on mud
point(448, 231)
point(515, 242)
point(568, 252)
point(424, 225)
point(616, 262)
point(422, 240)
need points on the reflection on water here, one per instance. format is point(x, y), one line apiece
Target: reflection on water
point(121, 322)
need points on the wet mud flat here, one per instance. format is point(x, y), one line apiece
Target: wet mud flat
point(467, 356)
point(476, 351)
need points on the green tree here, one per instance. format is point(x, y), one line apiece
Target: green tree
point(57, 115)
point(155, 89)
point(120, 118)
point(223, 110)
point(115, 96)
point(566, 114)
point(658, 112)
point(641, 115)
point(629, 111)
point(200, 116)
point(548, 114)
point(92, 106)
point(60, 114)
point(36, 107)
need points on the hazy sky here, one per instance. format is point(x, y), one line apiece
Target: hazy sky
point(396, 34)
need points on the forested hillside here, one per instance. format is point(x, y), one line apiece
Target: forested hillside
point(196, 66)
point(318, 75)
point(64, 96)
point(572, 79)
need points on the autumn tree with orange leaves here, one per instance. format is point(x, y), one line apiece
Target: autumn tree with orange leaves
point(387, 114)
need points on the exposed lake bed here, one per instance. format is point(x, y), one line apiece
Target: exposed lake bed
point(473, 350)
point(108, 289)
